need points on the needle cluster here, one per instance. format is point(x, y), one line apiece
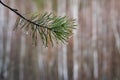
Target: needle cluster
point(48, 27)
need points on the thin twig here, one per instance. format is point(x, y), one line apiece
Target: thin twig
point(16, 12)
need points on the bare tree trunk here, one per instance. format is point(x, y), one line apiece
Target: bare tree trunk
point(95, 6)
point(113, 15)
point(2, 50)
point(15, 47)
point(74, 5)
point(62, 52)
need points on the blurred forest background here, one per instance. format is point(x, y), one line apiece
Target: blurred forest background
point(93, 53)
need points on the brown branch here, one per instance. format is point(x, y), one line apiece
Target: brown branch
point(16, 12)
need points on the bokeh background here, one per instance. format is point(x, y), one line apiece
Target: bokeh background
point(93, 52)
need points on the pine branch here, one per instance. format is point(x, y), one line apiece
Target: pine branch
point(49, 27)
point(16, 11)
